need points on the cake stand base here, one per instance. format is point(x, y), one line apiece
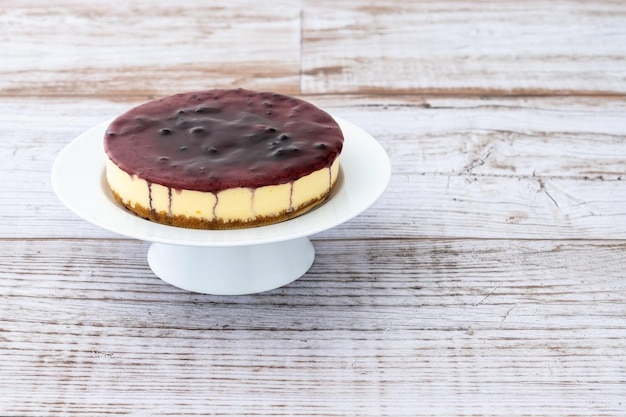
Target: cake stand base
point(232, 270)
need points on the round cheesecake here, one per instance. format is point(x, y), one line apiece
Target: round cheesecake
point(222, 159)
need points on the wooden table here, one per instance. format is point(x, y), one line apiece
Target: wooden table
point(488, 280)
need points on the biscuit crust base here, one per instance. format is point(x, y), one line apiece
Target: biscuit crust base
point(218, 224)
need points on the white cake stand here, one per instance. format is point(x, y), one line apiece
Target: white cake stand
point(223, 262)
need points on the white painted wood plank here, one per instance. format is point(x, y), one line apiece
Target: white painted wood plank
point(72, 48)
point(386, 273)
point(522, 136)
point(504, 47)
point(105, 48)
point(488, 207)
point(414, 327)
point(496, 167)
point(507, 168)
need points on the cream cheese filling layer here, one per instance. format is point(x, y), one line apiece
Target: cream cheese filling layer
point(233, 204)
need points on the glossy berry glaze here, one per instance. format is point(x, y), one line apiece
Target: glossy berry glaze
point(218, 139)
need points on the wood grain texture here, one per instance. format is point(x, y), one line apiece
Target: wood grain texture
point(417, 327)
point(487, 281)
point(147, 47)
point(475, 47)
point(496, 168)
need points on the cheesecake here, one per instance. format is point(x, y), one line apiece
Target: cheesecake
point(222, 159)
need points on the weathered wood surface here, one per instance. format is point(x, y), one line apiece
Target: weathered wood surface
point(487, 281)
point(467, 167)
point(377, 327)
point(509, 47)
point(473, 47)
point(80, 48)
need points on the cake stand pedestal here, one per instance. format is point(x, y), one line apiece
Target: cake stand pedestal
point(232, 270)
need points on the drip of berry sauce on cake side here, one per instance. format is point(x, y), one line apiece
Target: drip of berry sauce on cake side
point(217, 139)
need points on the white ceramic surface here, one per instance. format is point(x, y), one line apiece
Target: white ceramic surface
point(232, 270)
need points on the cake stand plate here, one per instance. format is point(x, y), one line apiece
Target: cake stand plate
point(223, 262)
